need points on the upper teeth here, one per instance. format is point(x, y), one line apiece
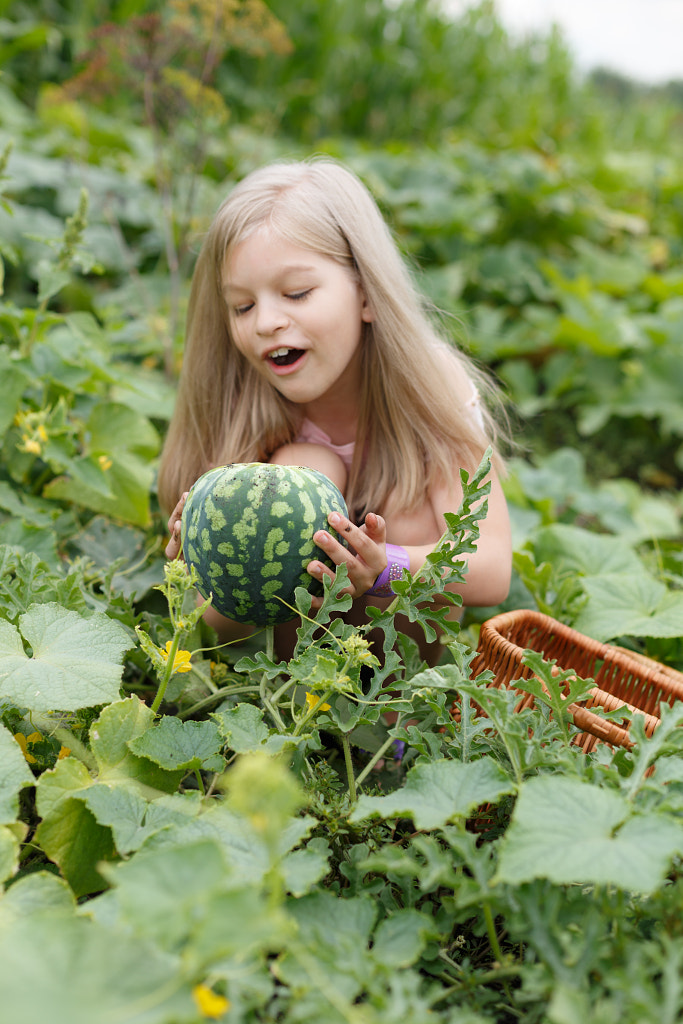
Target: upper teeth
point(279, 352)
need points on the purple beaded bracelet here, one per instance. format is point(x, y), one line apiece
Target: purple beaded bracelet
point(397, 561)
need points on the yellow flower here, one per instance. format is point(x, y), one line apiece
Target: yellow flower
point(209, 1003)
point(63, 752)
point(21, 740)
point(181, 662)
point(30, 445)
point(41, 432)
point(312, 700)
point(105, 462)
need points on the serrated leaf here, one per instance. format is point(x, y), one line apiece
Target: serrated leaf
point(570, 831)
point(186, 746)
point(75, 661)
point(14, 775)
point(439, 792)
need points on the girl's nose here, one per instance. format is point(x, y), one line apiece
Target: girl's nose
point(270, 317)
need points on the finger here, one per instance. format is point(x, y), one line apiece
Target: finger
point(331, 546)
point(172, 549)
point(177, 512)
point(343, 526)
point(318, 570)
point(369, 548)
point(376, 527)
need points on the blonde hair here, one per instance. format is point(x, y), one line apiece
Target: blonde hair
point(415, 425)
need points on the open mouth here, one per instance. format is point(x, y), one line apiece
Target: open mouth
point(285, 356)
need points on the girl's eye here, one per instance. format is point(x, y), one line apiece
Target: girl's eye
point(241, 310)
point(299, 296)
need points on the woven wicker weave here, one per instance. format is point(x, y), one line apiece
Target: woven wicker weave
point(623, 679)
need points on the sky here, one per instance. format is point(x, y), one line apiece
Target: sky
point(642, 39)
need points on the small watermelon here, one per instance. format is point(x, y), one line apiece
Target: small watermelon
point(247, 529)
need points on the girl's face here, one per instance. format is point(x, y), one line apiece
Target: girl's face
point(297, 317)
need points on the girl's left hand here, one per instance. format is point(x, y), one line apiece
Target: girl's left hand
point(365, 558)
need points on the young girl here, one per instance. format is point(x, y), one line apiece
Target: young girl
point(307, 344)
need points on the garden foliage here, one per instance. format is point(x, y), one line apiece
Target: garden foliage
point(191, 832)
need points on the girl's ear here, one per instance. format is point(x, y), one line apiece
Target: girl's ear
point(367, 314)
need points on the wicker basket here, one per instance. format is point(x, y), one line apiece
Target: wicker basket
point(623, 679)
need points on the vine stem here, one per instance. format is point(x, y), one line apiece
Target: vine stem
point(491, 931)
point(311, 712)
point(377, 756)
point(168, 672)
point(353, 795)
point(263, 694)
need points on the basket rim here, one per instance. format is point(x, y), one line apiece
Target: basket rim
point(637, 664)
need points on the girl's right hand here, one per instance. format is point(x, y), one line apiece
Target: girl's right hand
point(173, 548)
point(365, 558)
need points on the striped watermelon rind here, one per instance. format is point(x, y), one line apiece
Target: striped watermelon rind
point(247, 529)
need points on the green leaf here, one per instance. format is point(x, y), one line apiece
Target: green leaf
point(188, 896)
point(438, 792)
point(14, 775)
point(75, 661)
point(51, 280)
point(243, 728)
point(122, 492)
point(131, 818)
point(9, 853)
point(336, 933)
point(301, 869)
point(583, 551)
point(78, 844)
point(630, 604)
point(570, 831)
point(176, 745)
point(110, 737)
point(245, 850)
point(400, 939)
point(244, 731)
point(70, 970)
point(129, 440)
point(13, 381)
point(33, 894)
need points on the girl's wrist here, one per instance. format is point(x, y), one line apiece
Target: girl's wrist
point(397, 561)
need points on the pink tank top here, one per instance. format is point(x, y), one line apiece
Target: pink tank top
point(312, 434)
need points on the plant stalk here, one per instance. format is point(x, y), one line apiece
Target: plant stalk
point(353, 794)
